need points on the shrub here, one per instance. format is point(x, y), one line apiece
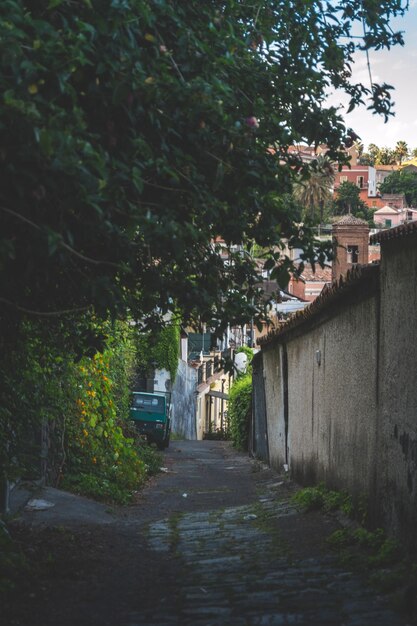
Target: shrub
point(239, 411)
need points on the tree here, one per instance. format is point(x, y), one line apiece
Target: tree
point(359, 147)
point(401, 151)
point(373, 152)
point(402, 181)
point(348, 200)
point(313, 192)
point(385, 156)
point(133, 134)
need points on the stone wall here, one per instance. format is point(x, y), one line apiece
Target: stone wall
point(340, 387)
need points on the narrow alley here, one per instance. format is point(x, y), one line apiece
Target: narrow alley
point(214, 540)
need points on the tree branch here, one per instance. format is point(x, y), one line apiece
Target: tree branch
point(60, 242)
point(43, 313)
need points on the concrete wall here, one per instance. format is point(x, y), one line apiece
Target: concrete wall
point(397, 460)
point(343, 377)
point(332, 400)
point(184, 408)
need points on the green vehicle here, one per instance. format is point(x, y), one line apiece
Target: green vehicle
point(151, 414)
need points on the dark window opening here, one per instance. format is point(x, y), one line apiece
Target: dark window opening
point(353, 254)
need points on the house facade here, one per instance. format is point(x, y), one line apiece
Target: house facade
point(363, 176)
point(388, 216)
point(309, 285)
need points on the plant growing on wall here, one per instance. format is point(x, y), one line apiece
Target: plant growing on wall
point(159, 349)
point(239, 411)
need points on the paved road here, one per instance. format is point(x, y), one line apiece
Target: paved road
point(213, 541)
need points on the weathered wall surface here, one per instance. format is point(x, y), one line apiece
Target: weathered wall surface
point(273, 364)
point(397, 460)
point(331, 406)
point(340, 385)
point(184, 408)
point(333, 398)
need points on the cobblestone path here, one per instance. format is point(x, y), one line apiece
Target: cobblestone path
point(213, 540)
point(235, 568)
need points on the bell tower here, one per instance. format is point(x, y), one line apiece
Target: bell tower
point(350, 244)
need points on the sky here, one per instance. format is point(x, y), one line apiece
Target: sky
point(397, 67)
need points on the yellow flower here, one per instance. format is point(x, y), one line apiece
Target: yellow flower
point(85, 432)
point(33, 89)
point(94, 459)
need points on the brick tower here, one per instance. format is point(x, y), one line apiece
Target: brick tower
point(350, 244)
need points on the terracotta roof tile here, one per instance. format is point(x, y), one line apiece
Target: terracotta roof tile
point(350, 220)
point(330, 294)
point(395, 233)
point(320, 275)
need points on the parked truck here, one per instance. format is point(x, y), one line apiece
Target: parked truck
point(151, 414)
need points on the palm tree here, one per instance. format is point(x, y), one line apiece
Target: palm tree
point(401, 151)
point(359, 147)
point(313, 192)
point(385, 156)
point(373, 151)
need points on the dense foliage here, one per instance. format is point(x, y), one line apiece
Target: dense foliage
point(348, 200)
point(138, 143)
point(160, 349)
point(376, 155)
point(402, 181)
point(239, 411)
point(134, 133)
point(79, 403)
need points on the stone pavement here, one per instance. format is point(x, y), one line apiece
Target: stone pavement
point(212, 541)
point(237, 573)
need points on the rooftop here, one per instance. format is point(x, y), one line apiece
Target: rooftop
point(387, 209)
point(350, 220)
point(330, 294)
point(395, 233)
point(320, 275)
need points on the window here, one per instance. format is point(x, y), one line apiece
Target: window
point(343, 179)
point(388, 223)
point(148, 403)
point(359, 182)
point(353, 254)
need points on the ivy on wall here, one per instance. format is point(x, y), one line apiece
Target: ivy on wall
point(160, 350)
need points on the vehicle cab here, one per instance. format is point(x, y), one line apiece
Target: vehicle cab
point(151, 414)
